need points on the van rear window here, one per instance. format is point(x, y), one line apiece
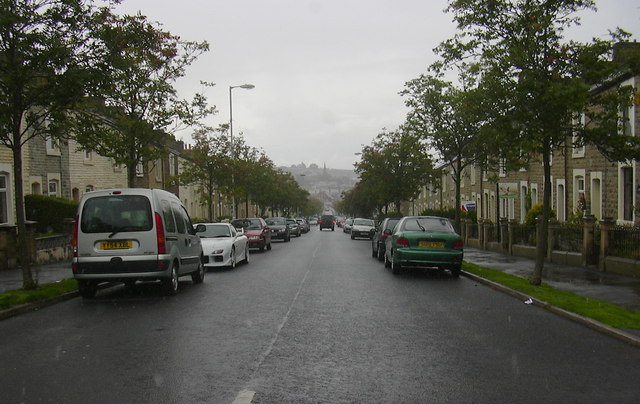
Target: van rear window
point(119, 213)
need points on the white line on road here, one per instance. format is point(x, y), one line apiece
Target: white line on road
point(244, 397)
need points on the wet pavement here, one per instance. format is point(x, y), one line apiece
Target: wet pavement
point(589, 282)
point(585, 281)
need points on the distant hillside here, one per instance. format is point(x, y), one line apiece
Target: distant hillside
point(325, 184)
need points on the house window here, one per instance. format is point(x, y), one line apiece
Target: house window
point(53, 188)
point(140, 170)
point(560, 201)
point(626, 174)
point(4, 209)
point(472, 173)
point(627, 114)
point(172, 164)
point(503, 168)
point(159, 170)
point(577, 150)
point(53, 146)
point(88, 157)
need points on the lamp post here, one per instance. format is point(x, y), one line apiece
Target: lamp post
point(247, 87)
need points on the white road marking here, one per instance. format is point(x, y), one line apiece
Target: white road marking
point(244, 397)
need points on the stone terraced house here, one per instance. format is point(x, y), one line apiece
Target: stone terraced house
point(582, 180)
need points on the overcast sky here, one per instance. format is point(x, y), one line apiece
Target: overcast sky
point(326, 72)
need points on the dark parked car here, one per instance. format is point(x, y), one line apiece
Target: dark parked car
point(379, 237)
point(328, 222)
point(279, 228)
point(256, 230)
point(294, 227)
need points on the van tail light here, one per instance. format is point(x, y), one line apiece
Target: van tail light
point(74, 242)
point(162, 245)
point(402, 242)
point(458, 245)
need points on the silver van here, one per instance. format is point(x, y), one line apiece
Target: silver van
point(131, 234)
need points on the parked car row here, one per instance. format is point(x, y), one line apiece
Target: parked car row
point(412, 241)
point(135, 234)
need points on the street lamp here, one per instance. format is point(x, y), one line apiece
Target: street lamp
point(247, 87)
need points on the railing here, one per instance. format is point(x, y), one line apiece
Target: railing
point(523, 234)
point(624, 242)
point(590, 242)
point(569, 237)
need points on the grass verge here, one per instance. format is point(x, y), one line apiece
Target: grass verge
point(604, 312)
point(17, 297)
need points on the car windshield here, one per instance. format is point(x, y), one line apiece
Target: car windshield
point(215, 230)
point(428, 224)
point(363, 222)
point(116, 213)
point(276, 221)
point(290, 221)
point(247, 224)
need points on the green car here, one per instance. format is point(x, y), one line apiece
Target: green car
point(424, 241)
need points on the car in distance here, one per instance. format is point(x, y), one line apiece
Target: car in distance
point(131, 234)
point(379, 237)
point(346, 227)
point(304, 224)
point(223, 245)
point(426, 241)
point(362, 228)
point(279, 228)
point(256, 230)
point(327, 222)
point(294, 227)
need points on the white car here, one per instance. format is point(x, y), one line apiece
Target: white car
point(223, 245)
point(362, 228)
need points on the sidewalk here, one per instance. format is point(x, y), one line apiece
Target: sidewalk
point(12, 278)
point(589, 282)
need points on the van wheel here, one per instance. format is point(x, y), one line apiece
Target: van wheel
point(170, 284)
point(198, 275)
point(387, 264)
point(396, 266)
point(87, 289)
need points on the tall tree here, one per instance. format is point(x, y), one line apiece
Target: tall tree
point(135, 108)
point(450, 120)
point(396, 165)
point(521, 43)
point(208, 164)
point(45, 64)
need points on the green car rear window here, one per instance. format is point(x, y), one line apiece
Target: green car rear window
point(120, 213)
point(428, 224)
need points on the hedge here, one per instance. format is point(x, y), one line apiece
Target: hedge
point(49, 212)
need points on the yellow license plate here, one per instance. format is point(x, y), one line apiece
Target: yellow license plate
point(430, 244)
point(116, 245)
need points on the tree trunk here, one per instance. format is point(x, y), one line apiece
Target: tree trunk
point(458, 174)
point(24, 253)
point(543, 226)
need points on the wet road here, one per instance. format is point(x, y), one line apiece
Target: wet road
point(313, 320)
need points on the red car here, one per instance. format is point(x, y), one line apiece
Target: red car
point(256, 230)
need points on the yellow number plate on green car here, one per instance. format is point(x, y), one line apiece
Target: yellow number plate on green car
point(116, 245)
point(430, 244)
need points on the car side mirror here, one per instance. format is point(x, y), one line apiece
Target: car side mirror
point(240, 231)
point(200, 228)
point(387, 232)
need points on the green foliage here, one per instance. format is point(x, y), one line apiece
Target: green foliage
point(49, 212)
point(536, 211)
point(17, 297)
point(391, 170)
point(133, 111)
